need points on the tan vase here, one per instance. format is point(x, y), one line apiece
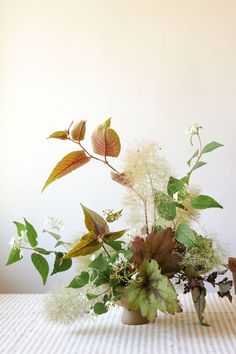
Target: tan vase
point(130, 317)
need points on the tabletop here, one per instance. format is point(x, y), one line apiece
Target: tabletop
point(25, 330)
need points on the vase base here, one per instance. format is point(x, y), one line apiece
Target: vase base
point(133, 317)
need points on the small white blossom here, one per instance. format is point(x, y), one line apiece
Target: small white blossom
point(92, 257)
point(55, 224)
point(194, 129)
point(19, 241)
point(134, 276)
point(175, 196)
point(121, 260)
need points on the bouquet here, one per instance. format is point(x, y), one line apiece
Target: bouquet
point(141, 267)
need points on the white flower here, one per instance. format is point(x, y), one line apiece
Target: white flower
point(134, 276)
point(194, 129)
point(92, 257)
point(54, 223)
point(19, 241)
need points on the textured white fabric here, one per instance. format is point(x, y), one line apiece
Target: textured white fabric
point(23, 329)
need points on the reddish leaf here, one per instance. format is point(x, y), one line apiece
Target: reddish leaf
point(62, 134)
point(78, 130)
point(159, 246)
point(232, 264)
point(121, 178)
point(94, 222)
point(105, 140)
point(69, 163)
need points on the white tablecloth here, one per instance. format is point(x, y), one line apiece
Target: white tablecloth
point(23, 329)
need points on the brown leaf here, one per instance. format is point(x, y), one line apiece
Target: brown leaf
point(78, 130)
point(232, 264)
point(105, 140)
point(114, 235)
point(62, 134)
point(121, 178)
point(94, 222)
point(159, 246)
point(87, 244)
point(69, 163)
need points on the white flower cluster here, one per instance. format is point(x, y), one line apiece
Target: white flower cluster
point(67, 305)
point(19, 240)
point(55, 224)
point(121, 260)
point(194, 129)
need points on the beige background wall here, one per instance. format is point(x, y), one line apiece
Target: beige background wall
point(154, 66)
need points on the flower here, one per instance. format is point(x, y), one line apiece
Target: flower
point(19, 241)
point(194, 129)
point(68, 305)
point(54, 223)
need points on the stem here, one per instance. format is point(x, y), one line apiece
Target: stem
point(198, 157)
point(105, 161)
point(106, 250)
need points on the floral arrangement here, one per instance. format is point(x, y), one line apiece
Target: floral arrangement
point(140, 267)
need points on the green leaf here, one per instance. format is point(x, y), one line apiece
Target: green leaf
point(164, 206)
point(194, 155)
point(99, 308)
point(174, 185)
point(116, 245)
point(61, 265)
point(20, 227)
point(211, 146)
point(61, 134)
point(14, 256)
point(53, 234)
point(94, 222)
point(198, 165)
point(99, 263)
point(79, 281)
point(41, 265)
point(185, 235)
point(42, 250)
point(204, 202)
point(31, 234)
point(154, 292)
point(93, 275)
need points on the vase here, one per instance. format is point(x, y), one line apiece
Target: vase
point(131, 317)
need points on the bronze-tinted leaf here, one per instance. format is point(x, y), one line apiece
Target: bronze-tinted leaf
point(69, 163)
point(105, 140)
point(94, 222)
point(121, 178)
point(159, 246)
point(78, 130)
point(87, 244)
point(62, 134)
point(114, 235)
point(232, 264)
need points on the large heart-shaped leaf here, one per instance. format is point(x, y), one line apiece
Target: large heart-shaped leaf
point(87, 244)
point(154, 292)
point(159, 246)
point(105, 140)
point(94, 222)
point(69, 163)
